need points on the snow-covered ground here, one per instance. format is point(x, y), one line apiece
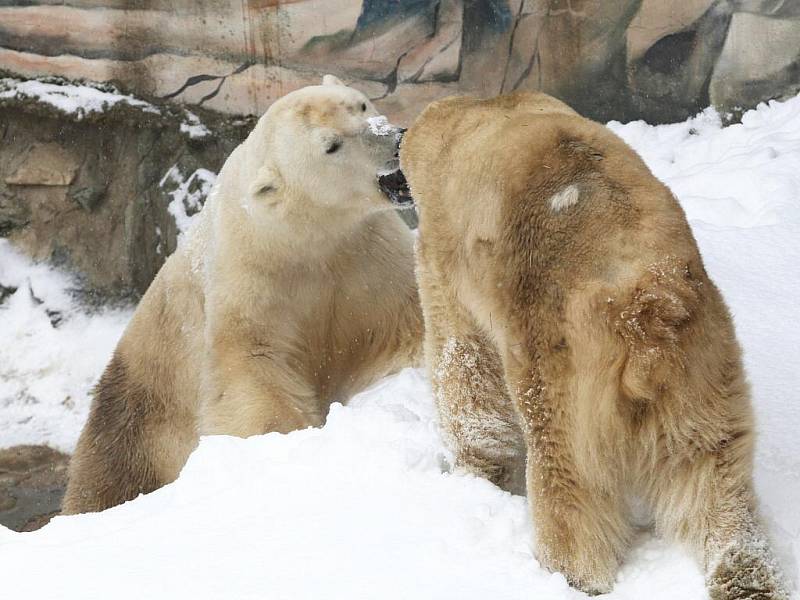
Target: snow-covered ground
point(365, 507)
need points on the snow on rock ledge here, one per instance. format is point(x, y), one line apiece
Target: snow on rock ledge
point(80, 100)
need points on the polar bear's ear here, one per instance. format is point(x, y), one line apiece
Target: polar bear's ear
point(331, 80)
point(265, 185)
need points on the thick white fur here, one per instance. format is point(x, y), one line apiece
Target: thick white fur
point(294, 289)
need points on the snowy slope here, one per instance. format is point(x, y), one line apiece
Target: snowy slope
point(366, 508)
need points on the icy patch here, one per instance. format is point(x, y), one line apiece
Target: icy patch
point(189, 194)
point(380, 125)
point(51, 353)
point(82, 100)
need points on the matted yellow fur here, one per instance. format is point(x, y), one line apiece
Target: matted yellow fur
point(295, 289)
point(570, 323)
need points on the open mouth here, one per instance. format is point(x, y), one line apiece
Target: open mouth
point(393, 183)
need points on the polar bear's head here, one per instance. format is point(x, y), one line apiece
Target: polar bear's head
point(325, 146)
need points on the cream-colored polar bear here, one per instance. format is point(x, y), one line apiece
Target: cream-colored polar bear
point(570, 322)
point(294, 289)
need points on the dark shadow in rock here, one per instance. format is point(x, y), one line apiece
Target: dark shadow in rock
point(670, 82)
point(670, 53)
point(483, 20)
point(374, 12)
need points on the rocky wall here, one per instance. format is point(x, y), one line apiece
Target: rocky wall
point(656, 59)
point(103, 193)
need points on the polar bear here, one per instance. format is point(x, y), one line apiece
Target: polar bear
point(569, 322)
point(294, 289)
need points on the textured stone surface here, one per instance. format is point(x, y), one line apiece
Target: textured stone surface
point(656, 59)
point(742, 78)
point(32, 482)
point(87, 193)
point(45, 163)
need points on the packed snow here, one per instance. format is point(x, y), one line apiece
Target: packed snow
point(380, 125)
point(83, 99)
point(367, 506)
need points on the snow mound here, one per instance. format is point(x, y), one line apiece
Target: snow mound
point(744, 175)
point(358, 509)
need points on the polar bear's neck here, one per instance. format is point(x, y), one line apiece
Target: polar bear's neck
point(293, 232)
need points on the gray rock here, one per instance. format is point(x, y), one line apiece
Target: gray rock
point(32, 483)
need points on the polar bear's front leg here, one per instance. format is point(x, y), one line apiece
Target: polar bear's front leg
point(253, 389)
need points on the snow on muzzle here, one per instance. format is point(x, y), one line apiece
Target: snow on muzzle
point(391, 180)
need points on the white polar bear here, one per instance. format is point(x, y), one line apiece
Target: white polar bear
point(294, 289)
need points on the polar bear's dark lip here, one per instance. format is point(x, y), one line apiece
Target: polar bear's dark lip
point(395, 186)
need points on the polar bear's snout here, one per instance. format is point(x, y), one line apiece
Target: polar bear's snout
point(391, 180)
point(383, 139)
point(381, 128)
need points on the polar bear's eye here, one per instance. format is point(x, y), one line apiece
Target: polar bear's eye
point(363, 107)
point(333, 147)
point(264, 189)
